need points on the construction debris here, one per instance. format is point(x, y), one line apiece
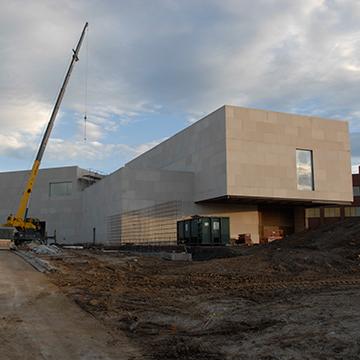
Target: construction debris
point(37, 263)
point(46, 250)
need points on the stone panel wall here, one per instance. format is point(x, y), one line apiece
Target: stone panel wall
point(261, 155)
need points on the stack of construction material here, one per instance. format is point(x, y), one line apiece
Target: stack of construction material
point(5, 244)
point(6, 237)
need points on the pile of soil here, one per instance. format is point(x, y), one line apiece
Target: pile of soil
point(333, 248)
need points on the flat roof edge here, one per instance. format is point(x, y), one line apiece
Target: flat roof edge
point(313, 116)
point(256, 200)
point(42, 169)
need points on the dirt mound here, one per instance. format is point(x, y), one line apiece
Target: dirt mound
point(331, 249)
point(334, 248)
point(326, 237)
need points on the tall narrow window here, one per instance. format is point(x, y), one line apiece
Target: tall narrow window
point(304, 169)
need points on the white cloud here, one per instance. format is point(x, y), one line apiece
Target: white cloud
point(189, 57)
point(10, 144)
point(91, 131)
point(59, 149)
point(23, 116)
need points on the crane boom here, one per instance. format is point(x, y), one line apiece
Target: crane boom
point(19, 220)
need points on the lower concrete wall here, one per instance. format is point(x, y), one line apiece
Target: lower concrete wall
point(123, 200)
point(157, 224)
point(152, 225)
point(143, 205)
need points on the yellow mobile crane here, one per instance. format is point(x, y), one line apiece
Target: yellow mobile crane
point(19, 226)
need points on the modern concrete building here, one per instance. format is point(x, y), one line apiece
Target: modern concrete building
point(260, 168)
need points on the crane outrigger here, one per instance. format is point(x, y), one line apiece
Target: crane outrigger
point(25, 228)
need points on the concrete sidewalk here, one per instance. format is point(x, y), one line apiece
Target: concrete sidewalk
point(38, 322)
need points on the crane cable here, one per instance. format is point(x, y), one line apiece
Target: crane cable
point(86, 83)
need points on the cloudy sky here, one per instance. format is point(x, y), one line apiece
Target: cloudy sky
point(153, 67)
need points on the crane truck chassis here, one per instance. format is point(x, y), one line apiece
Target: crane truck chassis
point(20, 228)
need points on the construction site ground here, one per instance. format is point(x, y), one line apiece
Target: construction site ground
point(37, 321)
point(297, 298)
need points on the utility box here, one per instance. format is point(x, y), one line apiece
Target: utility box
point(203, 230)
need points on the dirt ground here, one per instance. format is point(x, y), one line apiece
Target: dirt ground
point(38, 322)
point(297, 298)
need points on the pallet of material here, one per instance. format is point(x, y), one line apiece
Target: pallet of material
point(5, 244)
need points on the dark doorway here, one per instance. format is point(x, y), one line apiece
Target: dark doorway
point(275, 222)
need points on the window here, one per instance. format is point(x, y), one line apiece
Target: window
point(60, 189)
point(356, 190)
point(216, 225)
point(352, 211)
point(332, 212)
point(304, 169)
point(312, 213)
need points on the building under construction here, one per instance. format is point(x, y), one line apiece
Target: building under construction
point(259, 168)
